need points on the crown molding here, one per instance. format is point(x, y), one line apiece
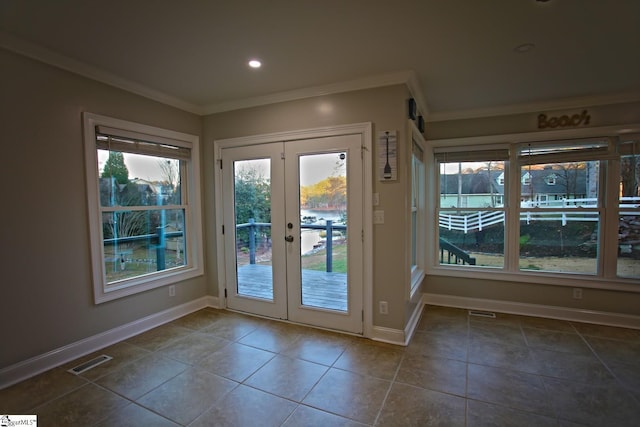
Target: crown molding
point(370, 82)
point(560, 104)
point(47, 56)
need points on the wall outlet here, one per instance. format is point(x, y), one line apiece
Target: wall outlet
point(577, 293)
point(172, 291)
point(384, 307)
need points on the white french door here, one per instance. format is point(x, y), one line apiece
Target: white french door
point(293, 224)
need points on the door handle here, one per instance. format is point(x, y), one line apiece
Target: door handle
point(289, 238)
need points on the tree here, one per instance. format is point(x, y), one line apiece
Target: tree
point(252, 200)
point(115, 167)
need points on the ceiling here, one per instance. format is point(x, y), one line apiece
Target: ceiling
point(458, 55)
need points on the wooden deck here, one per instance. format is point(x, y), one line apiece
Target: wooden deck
point(319, 289)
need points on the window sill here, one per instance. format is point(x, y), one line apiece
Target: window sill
point(553, 279)
point(112, 292)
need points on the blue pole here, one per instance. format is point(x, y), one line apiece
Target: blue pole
point(329, 246)
point(252, 241)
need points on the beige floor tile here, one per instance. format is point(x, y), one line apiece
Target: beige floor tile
point(83, 407)
point(246, 406)
point(305, 416)
point(199, 319)
point(593, 405)
point(556, 341)
point(513, 389)
point(286, 377)
point(271, 339)
point(411, 406)
point(548, 324)
point(193, 347)
point(231, 327)
point(159, 337)
point(135, 416)
point(26, 395)
point(439, 345)
point(615, 351)
point(370, 358)
point(142, 376)
point(236, 361)
point(444, 375)
point(584, 368)
point(481, 414)
point(350, 395)
point(318, 347)
point(513, 357)
point(497, 333)
point(610, 332)
point(444, 325)
point(186, 396)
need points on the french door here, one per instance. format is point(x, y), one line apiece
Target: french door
point(293, 214)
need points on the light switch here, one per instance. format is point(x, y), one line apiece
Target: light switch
point(376, 199)
point(378, 217)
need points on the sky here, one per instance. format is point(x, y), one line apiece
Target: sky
point(314, 168)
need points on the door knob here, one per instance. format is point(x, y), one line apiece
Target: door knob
point(289, 238)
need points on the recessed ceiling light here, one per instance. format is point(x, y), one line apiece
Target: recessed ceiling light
point(524, 48)
point(254, 63)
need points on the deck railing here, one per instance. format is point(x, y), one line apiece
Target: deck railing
point(455, 255)
point(253, 226)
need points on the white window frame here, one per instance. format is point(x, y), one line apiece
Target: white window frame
point(607, 279)
point(417, 204)
point(193, 223)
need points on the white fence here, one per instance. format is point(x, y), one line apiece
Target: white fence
point(477, 221)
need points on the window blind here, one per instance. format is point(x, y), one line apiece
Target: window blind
point(113, 139)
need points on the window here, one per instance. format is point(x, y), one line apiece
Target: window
point(472, 207)
point(561, 235)
point(417, 213)
point(550, 179)
point(144, 210)
point(559, 223)
point(628, 196)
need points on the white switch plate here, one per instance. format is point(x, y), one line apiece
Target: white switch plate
point(376, 199)
point(378, 217)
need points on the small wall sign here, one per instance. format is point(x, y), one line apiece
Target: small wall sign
point(564, 121)
point(387, 156)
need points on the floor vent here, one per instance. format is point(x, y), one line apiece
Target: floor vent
point(90, 364)
point(482, 314)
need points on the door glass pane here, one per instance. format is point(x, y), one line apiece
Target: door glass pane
point(323, 229)
point(252, 191)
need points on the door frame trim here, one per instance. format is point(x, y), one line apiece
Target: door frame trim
point(366, 133)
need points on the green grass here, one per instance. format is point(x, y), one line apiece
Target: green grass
point(317, 261)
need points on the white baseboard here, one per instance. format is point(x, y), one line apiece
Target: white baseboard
point(548, 311)
point(397, 336)
point(41, 363)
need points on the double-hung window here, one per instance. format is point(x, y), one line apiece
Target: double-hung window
point(417, 212)
point(142, 186)
point(472, 206)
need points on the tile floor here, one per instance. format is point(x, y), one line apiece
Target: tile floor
point(224, 369)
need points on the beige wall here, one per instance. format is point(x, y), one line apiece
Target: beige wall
point(386, 109)
point(45, 284)
point(593, 299)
